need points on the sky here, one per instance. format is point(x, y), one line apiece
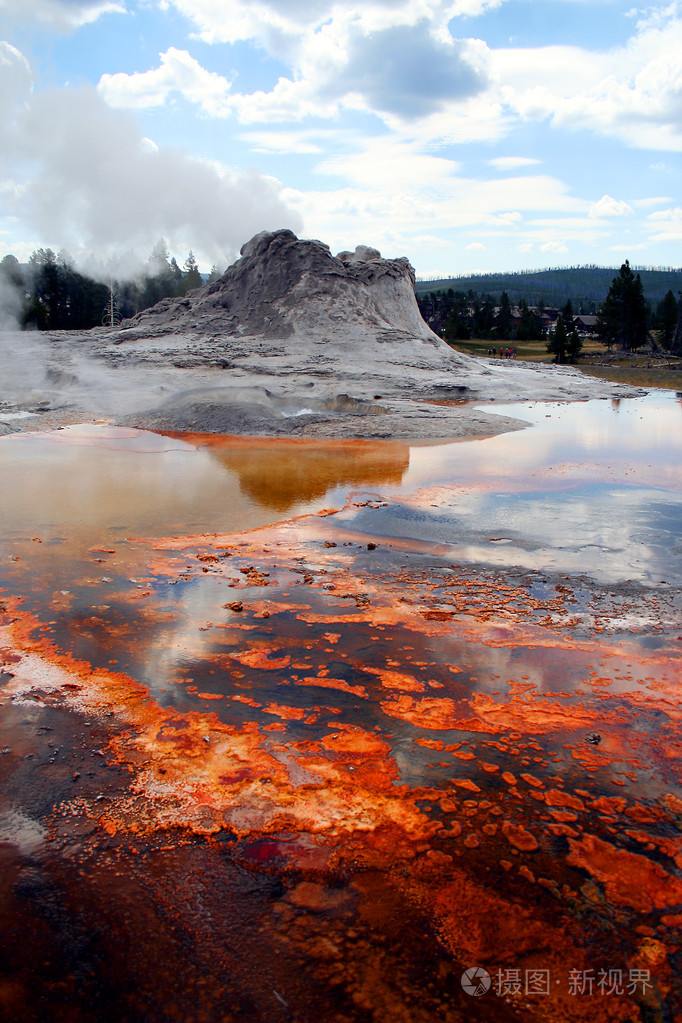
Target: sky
point(467, 135)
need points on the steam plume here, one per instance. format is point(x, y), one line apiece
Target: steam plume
point(80, 175)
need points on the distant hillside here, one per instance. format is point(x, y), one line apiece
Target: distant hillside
point(586, 286)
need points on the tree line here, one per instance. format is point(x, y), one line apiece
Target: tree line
point(50, 294)
point(463, 316)
point(624, 318)
point(584, 285)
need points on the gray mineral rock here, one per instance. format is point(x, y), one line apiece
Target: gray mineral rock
point(283, 286)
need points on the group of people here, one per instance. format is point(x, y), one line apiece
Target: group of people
point(505, 353)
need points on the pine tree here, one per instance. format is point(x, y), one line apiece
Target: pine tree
point(622, 319)
point(61, 298)
point(504, 323)
point(667, 316)
point(574, 346)
point(558, 341)
point(485, 320)
point(46, 301)
point(176, 277)
point(11, 272)
point(158, 259)
point(158, 282)
point(529, 327)
point(191, 277)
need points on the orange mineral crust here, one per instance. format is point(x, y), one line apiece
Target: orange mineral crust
point(397, 680)
point(517, 836)
point(478, 925)
point(332, 683)
point(409, 750)
point(197, 772)
point(428, 712)
point(629, 879)
point(261, 659)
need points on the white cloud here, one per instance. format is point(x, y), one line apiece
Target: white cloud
point(479, 119)
point(394, 57)
point(178, 73)
point(508, 218)
point(230, 21)
point(61, 16)
point(554, 246)
point(633, 92)
point(608, 207)
point(16, 83)
point(287, 101)
point(283, 142)
point(629, 248)
point(277, 24)
point(649, 201)
point(399, 60)
point(476, 247)
point(394, 190)
point(393, 165)
point(406, 70)
point(507, 163)
point(581, 231)
point(655, 17)
point(557, 68)
point(471, 8)
point(667, 225)
point(431, 239)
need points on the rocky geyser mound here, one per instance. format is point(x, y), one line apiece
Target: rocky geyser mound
point(284, 286)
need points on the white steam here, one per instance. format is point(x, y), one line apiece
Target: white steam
point(11, 304)
point(80, 175)
point(40, 372)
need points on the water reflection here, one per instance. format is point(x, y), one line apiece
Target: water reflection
point(638, 437)
point(92, 478)
point(281, 474)
point(593, 487)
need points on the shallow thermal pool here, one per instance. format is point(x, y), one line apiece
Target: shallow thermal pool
point(297, 729)
point(589, 486)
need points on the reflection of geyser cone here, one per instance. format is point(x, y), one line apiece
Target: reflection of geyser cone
point(280, 474)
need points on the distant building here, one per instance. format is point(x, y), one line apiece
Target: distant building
point(585, 324)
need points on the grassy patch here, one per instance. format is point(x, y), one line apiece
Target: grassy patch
point(640, 370)
point(529, 351)
point(652, 375)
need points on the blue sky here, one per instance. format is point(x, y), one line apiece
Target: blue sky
point(465, 134)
